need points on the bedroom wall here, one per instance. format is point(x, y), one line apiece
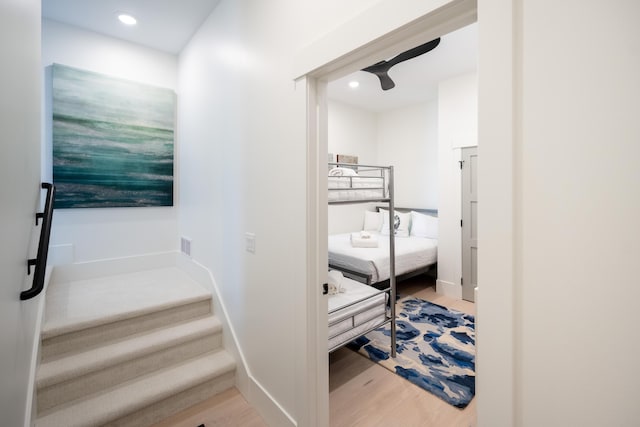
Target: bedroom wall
point(408, 139)
point(244, 154)
point(352, 131)
point(89, 234)
point(458, 127)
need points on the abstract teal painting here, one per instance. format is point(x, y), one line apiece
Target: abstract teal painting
point(112, 141)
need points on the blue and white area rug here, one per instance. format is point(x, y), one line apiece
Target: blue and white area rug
point(435, 349)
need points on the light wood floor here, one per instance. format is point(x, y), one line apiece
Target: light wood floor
point(227, 409)
point(361, 393)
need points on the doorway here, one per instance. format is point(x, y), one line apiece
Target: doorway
point(399, 127)
point(384, 30)
point(317, 133)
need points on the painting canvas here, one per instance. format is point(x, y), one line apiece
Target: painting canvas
point(112, 141)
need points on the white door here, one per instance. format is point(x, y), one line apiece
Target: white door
point(469, 222)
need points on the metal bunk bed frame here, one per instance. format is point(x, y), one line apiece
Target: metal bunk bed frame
point(392, 264)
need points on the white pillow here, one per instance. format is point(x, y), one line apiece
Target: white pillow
point(424, 225)
point(403, 227)
point(372, 221)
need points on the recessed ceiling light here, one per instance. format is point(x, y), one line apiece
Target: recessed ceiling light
point(127, 19)
point(354, 84)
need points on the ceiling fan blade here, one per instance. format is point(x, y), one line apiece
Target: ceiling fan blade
point(381, 68)
point(385, 81)
point(416, 51)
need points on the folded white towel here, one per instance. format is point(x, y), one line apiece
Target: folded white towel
point(357, 241)
point(335, 282)
point(342, 172)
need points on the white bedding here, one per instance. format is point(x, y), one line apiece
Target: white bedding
point(355, 188)
point(411, 253)
point(347, 322)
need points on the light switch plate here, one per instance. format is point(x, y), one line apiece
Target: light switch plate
point(250, 242)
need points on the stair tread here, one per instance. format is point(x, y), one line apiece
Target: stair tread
point(80, 304)
point(78, 364)
point(136, 394)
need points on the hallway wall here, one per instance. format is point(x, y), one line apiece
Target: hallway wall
point(243, 169)
point(80, 235)
point(20, 190)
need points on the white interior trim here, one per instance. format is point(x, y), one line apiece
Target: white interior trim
point(247, 384)
point(270, 409)
point(451, 290)
point(322, 62)
point(498, 135)
point(312, 369)
point(383, 30)
point(111, 266)
point(204, 276)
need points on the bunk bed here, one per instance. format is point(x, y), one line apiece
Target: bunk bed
point(415, 253)
point(356, 308)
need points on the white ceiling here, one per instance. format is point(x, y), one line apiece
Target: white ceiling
point(166, 25)
point(416, 79)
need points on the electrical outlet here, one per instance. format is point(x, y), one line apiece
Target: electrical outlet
point(250, 242)
point(185, 246)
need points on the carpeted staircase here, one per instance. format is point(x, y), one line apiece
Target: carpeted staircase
point(128, 350)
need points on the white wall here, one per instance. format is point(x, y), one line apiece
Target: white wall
point(577, 176)
point(408, 139)
point(352, 131)
point(20, 188)
point(558, 221)
point(458, 127)
point(458, 100)
point(89, 234)
point(242, 137)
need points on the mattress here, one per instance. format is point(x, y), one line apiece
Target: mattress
point(342, 188)
point(355, 311)
point(411, 253)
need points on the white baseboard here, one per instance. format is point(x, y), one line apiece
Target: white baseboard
point(203, 275)
point(257, 396)
point(269, 409)
point(111, 266)
point(449, 289)
point(61, 254)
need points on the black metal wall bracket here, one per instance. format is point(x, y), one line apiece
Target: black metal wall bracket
point(30, 263)
point(325, 288)
point(40, 262)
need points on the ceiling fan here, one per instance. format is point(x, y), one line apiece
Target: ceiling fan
point(381, 68)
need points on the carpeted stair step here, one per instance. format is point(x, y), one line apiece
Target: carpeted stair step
point(149, 398)
point(79, 374)
point(58, 340)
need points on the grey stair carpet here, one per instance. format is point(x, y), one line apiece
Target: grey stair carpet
point(128, 350)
